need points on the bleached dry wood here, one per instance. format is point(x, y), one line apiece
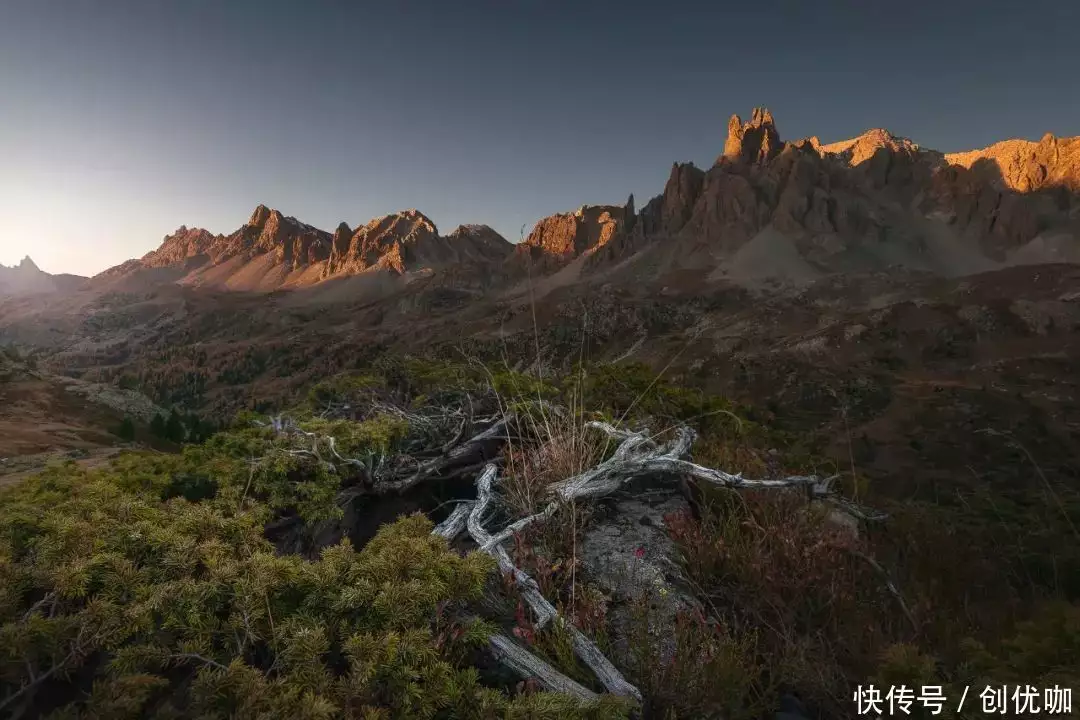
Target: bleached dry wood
point(505, 650)
point(890, 586)
point(530, 591)
point(458, 460)
point(452, 526)
point(514, 528)
point(585, 648)
point(638, 455)
point(527, 665)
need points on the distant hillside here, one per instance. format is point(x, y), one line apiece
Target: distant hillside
point(27, 278)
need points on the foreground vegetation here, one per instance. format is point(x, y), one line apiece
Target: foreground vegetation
point(149, 588)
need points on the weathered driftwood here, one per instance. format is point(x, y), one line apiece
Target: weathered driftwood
point(460, 460)
point(890, 586)
point(638, 455)
point(457, 461)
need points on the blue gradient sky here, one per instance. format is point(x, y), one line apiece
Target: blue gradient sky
point(123, 119)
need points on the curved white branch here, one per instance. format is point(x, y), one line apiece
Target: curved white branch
point(452, 526)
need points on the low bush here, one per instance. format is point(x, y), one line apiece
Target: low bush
point(147, 588)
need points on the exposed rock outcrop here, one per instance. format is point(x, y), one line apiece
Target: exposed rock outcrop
point(408, 241)
point(859, 149)
point(756, 141)
point(183, 245)
point(571, 234)
point(873, 203)
point(1026, 166)
point(870, 204)
point(668, 213)
point(386, 242)
point(272, 251)
point(292, 244)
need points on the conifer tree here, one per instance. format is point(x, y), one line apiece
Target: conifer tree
point(126, 431)
point(174, 427)
point(157, 426)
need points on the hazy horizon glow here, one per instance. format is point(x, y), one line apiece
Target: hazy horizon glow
point(121, 120)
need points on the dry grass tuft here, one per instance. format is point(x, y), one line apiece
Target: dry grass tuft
point(563, 449)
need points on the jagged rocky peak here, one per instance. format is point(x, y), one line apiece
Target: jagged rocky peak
point(410, 226)
point(481, 234)
point(587, 228)
point(28, 278)
point(666, 213)
point(858, 150)
point(259, 216)
point(753, 142)
point(1026, 166)
point(181, 245)
point(381, 242)
point(470, 243)
point(340, 242)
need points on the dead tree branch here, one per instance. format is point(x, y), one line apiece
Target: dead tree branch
point(527, 666)
point(585, 648)
point(452, 526)
point(638, 455)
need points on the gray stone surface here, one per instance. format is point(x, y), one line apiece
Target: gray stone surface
point(627, 554)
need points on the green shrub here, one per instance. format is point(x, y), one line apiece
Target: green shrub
point(117, 603)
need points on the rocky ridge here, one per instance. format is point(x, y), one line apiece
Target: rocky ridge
point(408, 241)
point(875, 203)
point(789, 212)
point(273, 251)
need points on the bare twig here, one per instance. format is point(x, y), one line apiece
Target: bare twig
point(889, 585)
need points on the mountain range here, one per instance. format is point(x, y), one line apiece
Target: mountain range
point(767, 214)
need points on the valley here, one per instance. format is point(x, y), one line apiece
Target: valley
point(901, 321)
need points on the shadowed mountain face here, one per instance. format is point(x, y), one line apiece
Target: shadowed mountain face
point(788, 213)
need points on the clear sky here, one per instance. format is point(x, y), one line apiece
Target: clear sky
point(122, 119)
